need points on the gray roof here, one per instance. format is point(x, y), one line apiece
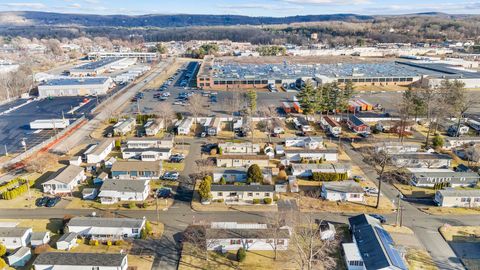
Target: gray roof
point(68, 81)
point(101, 146)
point(106, 222)
point(347, 186)
point(312, 151)
point(80, 259)
point(124, 185)
point(151, 149)
point(21, 252)
point(13, 231)
point(319, 167)
point(363, 219)
point(246, 233)
point(68, 237)
point(97, 64)
point(420, 155)
point(252, 188)
point(460, 192)
point(244, 157)
point(67, 174)
point(136, 166)
point(38, 235)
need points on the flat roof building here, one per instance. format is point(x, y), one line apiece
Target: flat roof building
point(68, 86)
point(96, 68)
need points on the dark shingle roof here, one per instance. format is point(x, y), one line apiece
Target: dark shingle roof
point(80, 259)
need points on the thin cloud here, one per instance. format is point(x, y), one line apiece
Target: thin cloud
point(26, 5)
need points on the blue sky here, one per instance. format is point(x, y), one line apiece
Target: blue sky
point(276, 8)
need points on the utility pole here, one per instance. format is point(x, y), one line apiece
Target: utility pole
point(156, 209)
point(6, 151)
point(399, 217)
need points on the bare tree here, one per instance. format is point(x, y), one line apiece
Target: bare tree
point(277, 223)
point(379, 159)
point(309, 250)
point(41, 162)
point(197, 106)
point(165, 112)
point(204, 166)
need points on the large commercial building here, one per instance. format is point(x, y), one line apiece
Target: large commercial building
point(101, 66)
point(143, 56)
point(75, 87)
point(217, 75)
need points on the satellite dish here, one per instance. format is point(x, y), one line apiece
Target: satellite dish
point(94, 214)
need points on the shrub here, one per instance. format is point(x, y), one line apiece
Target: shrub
point(275, 198)
point(41, 249)
point(282, 174)
point(3, 250)
point(3, 264)
point(205, 187)
point(220, 200)
point(223, 181)
point(256, 201)
point(143, 234)
point(241, 254)
point(109, 243)
point(213, 151)
point(328, 177)
point(148, 227)
point(119, 242)
point(220, 151)
point(93, 242)
point(267, 200)
point(437, 141)
point(131, 205)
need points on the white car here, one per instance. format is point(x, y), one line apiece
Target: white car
point(179, 103)
point(166, 94)
point(171, 176)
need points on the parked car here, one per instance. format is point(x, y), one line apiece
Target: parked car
point(53, 201)
point(41, 201)
point(379, 217)
point(177, 158)
point(164, 193)
point(170, 176)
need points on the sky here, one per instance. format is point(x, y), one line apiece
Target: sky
point(274, 8)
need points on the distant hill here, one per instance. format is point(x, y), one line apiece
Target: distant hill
point(152, 20)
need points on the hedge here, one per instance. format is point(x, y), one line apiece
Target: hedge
point(329, 177)
point(12, 184)
point(256, 201)
point(15, 192)
point(267, 200)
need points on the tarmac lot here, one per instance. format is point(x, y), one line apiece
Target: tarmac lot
point(15, 125)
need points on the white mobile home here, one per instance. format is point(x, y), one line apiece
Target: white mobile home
point(99, 152)
point(307, 170)
point(166, 142)
point(298, 155)
point(117, 190)
point(245, 193)
point(106, 228)
point(348, 190)
point(124, 127)
point(305, 142)
point(242, 160)
point(230, 148)
point(184, 126)
point(232, 236)
point(153, 126)
point(20, 257)
point(458, 198)
point(65, 180)
point(67, 241)
point(423, 177)
point(15, 237)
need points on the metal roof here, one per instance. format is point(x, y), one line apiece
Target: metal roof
point(347, 186)
point(123, 185)
point(13, 231)
point(97, 64)
point(460, 192)
point(68, 81)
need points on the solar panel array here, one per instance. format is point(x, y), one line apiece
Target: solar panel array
point(388, 244)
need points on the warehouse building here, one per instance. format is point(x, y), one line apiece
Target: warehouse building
point(142, 56)
point(101, 66)
point(75, 87)
point(218, 75)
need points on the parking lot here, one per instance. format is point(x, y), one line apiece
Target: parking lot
point(15, 125)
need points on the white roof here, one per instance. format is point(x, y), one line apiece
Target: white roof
point(424, 170)
point(351, 252)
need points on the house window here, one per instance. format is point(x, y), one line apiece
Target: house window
point(280, 242)
point(220, 193)
point(355, 195)
point(267, 194)
point(235, 242)
point(134, 230)
point(258, 194)
point(250, 241)
point(269, 241)
point(476, 200)
point(250, 194)
point(465, 199)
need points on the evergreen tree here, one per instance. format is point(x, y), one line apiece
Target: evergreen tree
point(254, 174)
point(205, 188)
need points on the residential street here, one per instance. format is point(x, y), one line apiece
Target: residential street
point(180, 215)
